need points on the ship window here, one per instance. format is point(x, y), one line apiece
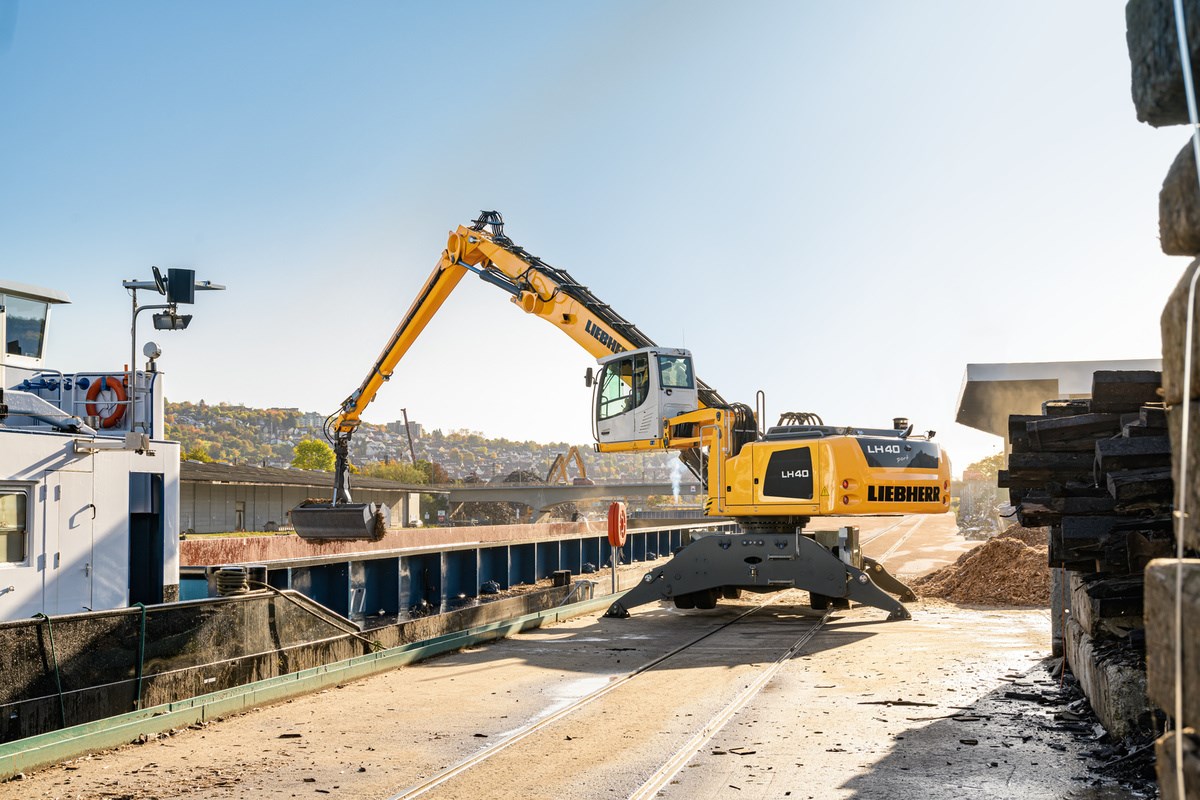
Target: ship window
point(14, 535)
point(25, 326)
point(676, 372)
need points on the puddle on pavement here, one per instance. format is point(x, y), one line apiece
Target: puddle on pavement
point(564, 694)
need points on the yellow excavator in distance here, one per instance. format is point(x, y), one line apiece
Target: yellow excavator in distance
point(557, 474)
point(647, 398)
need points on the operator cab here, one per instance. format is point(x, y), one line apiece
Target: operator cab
point(638, 389)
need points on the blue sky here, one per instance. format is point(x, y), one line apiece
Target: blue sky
point(839, 204)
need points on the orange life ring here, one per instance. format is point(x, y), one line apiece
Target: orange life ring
point(616, 524)
point(107, 383)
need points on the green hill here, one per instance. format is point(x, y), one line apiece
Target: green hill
point(235, 434)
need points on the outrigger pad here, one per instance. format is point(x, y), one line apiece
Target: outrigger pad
point(314, 519)
point(616, 611)
point(887, 581)
point(760, 562)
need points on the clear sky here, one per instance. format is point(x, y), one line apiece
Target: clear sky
point(841, 204)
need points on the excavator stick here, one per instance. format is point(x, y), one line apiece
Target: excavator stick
point(711, 566)
point(315, 519)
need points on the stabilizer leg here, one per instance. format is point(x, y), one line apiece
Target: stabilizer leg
point(887, 581)
point(757, 561)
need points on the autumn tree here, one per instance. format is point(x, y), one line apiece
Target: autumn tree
point(421, 472)
point(987, 467)
point(434, 473)
point(197, 453)
point(313, 454)
point(396, 471)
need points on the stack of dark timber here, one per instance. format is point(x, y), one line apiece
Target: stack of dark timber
point(1098, 473)
point(1159, 98)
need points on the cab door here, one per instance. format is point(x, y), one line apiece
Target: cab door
point(676, 382)
point(623, 413)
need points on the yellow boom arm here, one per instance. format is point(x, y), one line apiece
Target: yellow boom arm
point(535, 286)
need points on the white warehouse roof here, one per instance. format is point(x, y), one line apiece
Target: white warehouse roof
point(991, 392)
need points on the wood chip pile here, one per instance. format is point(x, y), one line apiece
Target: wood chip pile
point(1009, 570)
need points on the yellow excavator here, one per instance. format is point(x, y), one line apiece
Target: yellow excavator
point(557, 474)
point(647, 397)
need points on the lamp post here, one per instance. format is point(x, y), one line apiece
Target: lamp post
point(179, 286)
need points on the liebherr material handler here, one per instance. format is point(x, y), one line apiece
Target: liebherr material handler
point(647, 398)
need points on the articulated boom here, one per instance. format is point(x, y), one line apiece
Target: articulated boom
point(536, 287)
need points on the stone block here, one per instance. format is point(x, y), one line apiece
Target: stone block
point(1191, 524)
point(1160, 636)
point(1164, 764)
point(1179, 207)
point(1155, 70)
point(1112, 679)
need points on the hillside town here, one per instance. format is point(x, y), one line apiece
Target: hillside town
point(236, 434)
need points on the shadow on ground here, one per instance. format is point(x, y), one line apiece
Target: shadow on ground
point(1024, 741)
point(616, 646)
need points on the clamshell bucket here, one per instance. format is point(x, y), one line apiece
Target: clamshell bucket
point(315, 519)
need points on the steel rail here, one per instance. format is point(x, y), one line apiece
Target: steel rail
point(902, 539)
point(524, 732)
point(886, 530)
point(664, 774)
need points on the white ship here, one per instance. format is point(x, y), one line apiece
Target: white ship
point(89, 487)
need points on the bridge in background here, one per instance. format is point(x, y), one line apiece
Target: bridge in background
point(542, 497)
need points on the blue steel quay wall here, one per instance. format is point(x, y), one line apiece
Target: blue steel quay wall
point(418, 571)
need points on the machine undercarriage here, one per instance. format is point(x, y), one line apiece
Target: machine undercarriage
point(827, 564)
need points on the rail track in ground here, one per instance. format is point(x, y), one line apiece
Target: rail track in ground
point(791, 628)
point(727, 666)
point(905, 527)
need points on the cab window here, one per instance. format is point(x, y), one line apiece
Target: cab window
point(14, 535)
point(676, 372)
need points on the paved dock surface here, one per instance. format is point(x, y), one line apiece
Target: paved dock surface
point(748, 702)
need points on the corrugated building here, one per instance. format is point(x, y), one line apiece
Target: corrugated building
point(215, 498)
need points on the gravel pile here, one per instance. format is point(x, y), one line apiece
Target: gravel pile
point(1010, 569)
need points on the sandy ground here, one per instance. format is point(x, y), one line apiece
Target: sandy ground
point(868, 709)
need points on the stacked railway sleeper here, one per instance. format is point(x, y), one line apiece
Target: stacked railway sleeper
point(1097, 474)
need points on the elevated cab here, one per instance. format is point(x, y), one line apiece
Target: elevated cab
point(638, 389)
